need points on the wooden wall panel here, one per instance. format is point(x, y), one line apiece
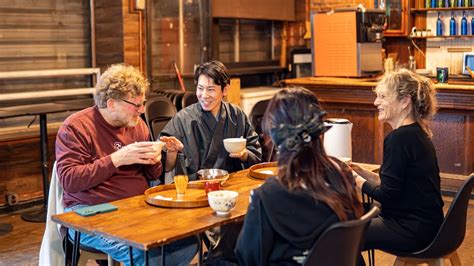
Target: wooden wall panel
point(249, 9)
point(469, 144)
point(46, 35)
point(133, 36)
point(55, 34)
point(21, 171)
point(108, 33)
point(448, 138)
point(328, 4)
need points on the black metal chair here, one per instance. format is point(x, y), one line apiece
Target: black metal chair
point(178, 100)
point(175, 96)
point(85, 253)
point(256, 115)
point(158, 112)
point(368, 201)
point(342, 242)
point(449, 237)
point(188, 99)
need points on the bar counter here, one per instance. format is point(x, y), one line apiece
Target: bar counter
point(352, 98)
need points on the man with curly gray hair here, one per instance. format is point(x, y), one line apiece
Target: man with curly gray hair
point(104, 154)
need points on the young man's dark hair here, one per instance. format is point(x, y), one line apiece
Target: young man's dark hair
point(215, 70)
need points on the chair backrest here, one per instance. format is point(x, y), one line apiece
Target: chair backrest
point(158, 111)
point(178, 100)
point(342, 242)
point(50, 251)
point(188, 99)
point(255, 117)
point(453, 229)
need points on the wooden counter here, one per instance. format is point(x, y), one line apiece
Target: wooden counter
point(352, 98)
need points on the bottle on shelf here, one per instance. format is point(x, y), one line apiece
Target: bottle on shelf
point(439, 25)
point(472, 26)
point(433, 3)
point(464, 24)
point(452, 3)
point(460, 3)
point(440, 3)
point(452, 25)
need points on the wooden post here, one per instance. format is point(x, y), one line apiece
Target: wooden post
point(233, 94)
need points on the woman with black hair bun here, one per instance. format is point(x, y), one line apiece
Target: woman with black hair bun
point(311, 192)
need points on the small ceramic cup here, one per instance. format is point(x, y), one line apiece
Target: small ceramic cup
point(212, 185)
point(222, 201)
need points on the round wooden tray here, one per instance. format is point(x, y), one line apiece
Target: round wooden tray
point(258, 170)
point(166, 196)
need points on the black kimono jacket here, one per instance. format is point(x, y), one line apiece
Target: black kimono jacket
point(281, 226)
point(203, 135)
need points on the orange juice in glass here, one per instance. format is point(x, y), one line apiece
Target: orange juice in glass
point(181, 183)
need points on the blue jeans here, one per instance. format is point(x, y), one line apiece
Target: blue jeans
point(180, 252)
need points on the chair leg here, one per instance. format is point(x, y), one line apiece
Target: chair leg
point(110, 261)
point(85, 256)
point(399, 262)
point(371, 257)
point(436, 262)
point(454, 258)
point(404, 261)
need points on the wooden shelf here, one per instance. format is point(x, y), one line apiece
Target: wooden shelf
point(420, 10)
point(443, 37)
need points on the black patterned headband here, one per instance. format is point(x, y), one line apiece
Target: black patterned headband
point(294, 137)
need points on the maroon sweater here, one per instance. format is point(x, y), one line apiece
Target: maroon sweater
point(85, 169)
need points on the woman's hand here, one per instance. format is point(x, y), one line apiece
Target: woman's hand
point(359, 181)
point(364, 173)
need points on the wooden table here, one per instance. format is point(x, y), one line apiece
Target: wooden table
point(144, 226)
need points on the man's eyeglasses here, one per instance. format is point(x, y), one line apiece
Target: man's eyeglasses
point(135, 104)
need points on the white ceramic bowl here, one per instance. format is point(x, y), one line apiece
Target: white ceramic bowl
point(235, 145)
point(222, 201)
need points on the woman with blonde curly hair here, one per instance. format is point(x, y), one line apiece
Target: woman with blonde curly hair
point(408, 186)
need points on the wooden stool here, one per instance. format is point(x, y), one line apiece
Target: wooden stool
point(453, 257)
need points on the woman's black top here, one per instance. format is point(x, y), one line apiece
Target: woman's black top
point(410, 184)
point(281, 225)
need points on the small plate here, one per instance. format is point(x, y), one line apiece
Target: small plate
point(263, 170)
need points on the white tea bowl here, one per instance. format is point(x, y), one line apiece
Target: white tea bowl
point(222, 201)
point(235, 145)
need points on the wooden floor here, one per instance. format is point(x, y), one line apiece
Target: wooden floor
point(21, 246)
